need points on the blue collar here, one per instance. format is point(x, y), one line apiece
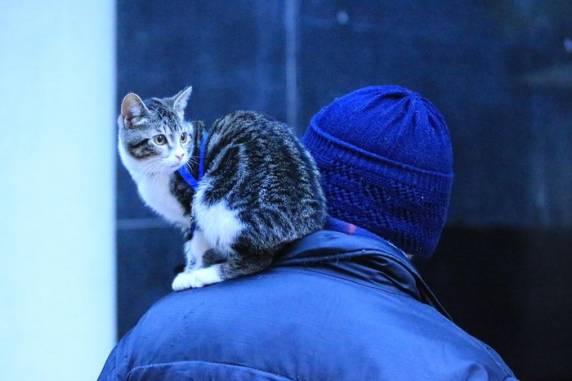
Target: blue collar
point(186, 173)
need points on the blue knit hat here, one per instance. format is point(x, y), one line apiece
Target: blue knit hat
point(385, 156)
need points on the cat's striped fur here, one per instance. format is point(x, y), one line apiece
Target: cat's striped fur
point(260, 189)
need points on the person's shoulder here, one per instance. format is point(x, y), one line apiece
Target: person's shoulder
point(269, 323)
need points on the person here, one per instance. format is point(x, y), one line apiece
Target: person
point(344, 303)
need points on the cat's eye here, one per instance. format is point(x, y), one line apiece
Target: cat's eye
point(160, 139)
point(184, 137)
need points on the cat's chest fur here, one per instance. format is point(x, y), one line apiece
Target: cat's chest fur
point(156, 193)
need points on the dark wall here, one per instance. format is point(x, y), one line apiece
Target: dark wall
point(501, 73)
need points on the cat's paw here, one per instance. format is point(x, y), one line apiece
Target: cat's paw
point(197, 278)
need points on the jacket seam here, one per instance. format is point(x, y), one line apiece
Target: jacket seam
point(140, 367)
point(377, 288)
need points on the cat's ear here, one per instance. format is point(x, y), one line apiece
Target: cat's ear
point(181, 100)
point(133, 110)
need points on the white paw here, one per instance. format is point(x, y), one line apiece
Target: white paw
point(196, 278)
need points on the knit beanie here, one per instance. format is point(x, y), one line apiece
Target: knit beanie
point(385, 157)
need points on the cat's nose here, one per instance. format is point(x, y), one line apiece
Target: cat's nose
point(180, 156)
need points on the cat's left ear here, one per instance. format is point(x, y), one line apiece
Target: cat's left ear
point(181, 100)
point(133, 110)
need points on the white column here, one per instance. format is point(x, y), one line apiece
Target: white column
point(57, 262)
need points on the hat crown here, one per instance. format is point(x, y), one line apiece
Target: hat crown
point(385, 156)
point(393, 122)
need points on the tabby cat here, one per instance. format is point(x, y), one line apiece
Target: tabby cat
point(239, 190)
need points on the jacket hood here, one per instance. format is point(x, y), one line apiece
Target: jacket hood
point(373, 261)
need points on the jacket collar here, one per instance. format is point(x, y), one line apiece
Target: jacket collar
point(370, 260)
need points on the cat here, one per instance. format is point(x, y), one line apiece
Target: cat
point(259, 191)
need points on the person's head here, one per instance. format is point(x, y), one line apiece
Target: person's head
point(385, 156)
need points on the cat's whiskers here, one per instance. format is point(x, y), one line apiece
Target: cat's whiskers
point(191, 162)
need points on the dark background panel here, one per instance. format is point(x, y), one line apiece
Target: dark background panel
point(501, 73)
point(510, 288)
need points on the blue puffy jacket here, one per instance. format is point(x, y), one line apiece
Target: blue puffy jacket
point(333, 307)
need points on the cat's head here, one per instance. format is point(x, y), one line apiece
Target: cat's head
point(153, 135)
